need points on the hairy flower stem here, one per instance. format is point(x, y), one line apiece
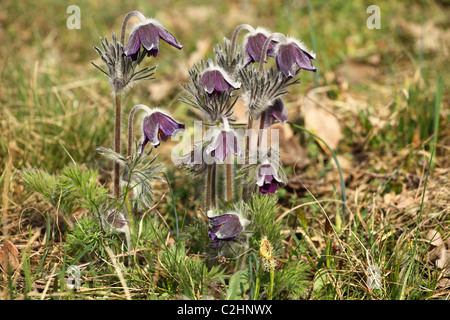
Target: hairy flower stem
point(208, 188)
point(235, 35)
point(213, 185)
point(210, 202)
point(266, 47)
point(125, 23)
point(116, 177)
point(130, 124)
point(247, 155)
point(229, 173)
point(130, 212)
point(261, 126)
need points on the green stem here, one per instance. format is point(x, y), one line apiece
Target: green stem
point(272, 276)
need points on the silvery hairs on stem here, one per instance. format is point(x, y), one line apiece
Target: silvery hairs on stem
point(138, 173)
point(212, 105)
point(120, 69)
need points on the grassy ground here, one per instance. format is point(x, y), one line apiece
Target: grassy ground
point(385, 88)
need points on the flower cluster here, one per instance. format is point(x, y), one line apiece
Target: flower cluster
point(238, 71)
point(134, 173)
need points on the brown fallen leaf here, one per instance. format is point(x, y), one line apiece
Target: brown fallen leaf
point(435, 238)
point(9, 255)
point(321, 121)
point(292, 154)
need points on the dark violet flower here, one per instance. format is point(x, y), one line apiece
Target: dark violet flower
point(253, 44)
point(216, 80)
point(147, 34)
point(268, 179)
point(224, 141)
point(225, 227)
point(291, 54)
point(157, 127)
point(115, 220)
point(276, 111)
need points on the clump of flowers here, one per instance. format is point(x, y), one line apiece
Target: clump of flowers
point(249, 166)
point(133, 174)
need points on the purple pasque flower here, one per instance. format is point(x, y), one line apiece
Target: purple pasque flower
point(114, 220)
point(158, 126)
point(253, 44)
point(268, 179)
point(225, 140)
point(225, 227)
point(276, 111)
point(148, 33)
point(216, 80)
point(290, 54)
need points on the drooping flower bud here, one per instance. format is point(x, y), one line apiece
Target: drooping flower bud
point(268, 179)
point(226, 227)
point(148, 33)
point(290, 54)
point(158, 126)
point(253, 44)
point(215, 80)
point(224, 141)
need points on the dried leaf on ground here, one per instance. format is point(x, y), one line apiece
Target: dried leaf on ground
point(9, 255)
point(321, 121)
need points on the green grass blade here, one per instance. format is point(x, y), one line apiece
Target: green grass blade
point(343, 195)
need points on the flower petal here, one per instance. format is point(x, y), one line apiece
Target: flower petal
point(133, 45)
point(254, 45)
point(149, 36)
point(168, 37)
point(277, 111)
point(303, 59)
point(225, 227)
point(158, 126)
point(286, 60)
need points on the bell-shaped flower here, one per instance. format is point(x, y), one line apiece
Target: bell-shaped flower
point(268, 179)
point(216, 80)
point(276, 111)
point(290, 54)
point(253, 44)
point(225, 227)
point(224, 141)
point(114, 220)
point(158, 126)
point(148, 33)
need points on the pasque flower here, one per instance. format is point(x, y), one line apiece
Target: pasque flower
point(148, 33)
point(224, 141)
point(253, 44)
point(158, 126)
point(216, 80)
point(290, 54)
point(121, 71)
point(225, 227)
point(276, 111)
point(268, 179)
